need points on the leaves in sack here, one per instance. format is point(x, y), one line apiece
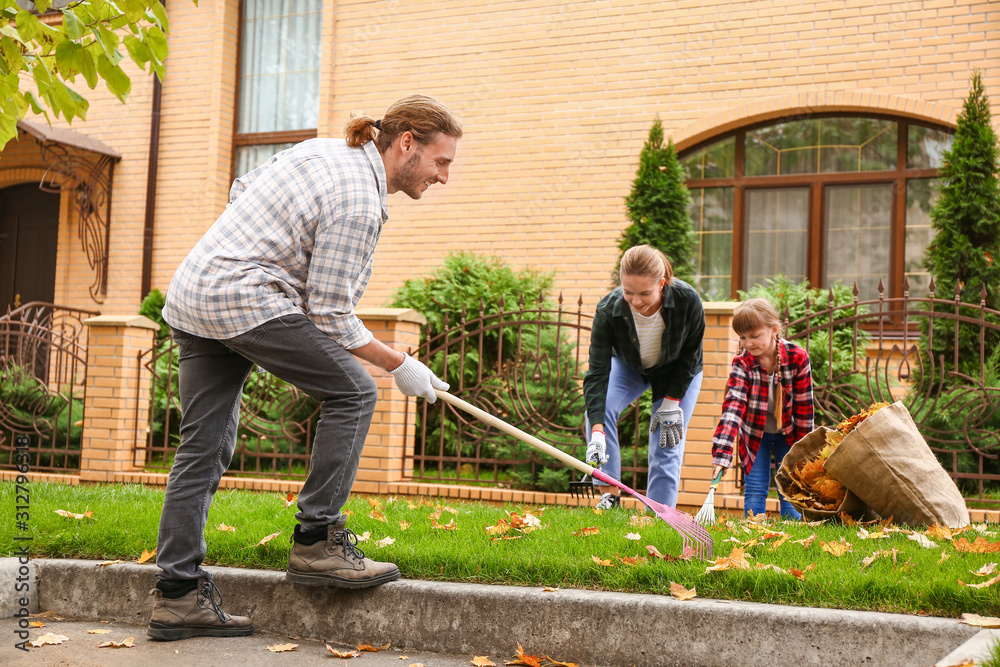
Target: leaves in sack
point(128, 642)
point(146, 555)
point(682, 593)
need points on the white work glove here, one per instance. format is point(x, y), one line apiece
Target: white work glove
point(670, 420)
point(597, 450)
point(413, 378)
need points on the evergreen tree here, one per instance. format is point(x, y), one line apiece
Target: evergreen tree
point(659, 207)
point(966, 220)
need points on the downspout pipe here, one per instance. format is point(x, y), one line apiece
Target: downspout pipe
point(151, 175)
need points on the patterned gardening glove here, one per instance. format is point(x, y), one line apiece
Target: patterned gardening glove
point(670, 421)
point(413, 378)
point(597, 450)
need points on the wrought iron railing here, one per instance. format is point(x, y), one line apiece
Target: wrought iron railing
point(277, 421)
point(958, 413)
point(43, 377)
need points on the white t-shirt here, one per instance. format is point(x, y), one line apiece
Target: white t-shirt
point(650, 330)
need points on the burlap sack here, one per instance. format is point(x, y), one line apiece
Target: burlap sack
point(807, 448)
point(888, 464)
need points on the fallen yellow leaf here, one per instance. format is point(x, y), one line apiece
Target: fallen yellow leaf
point(129, 642)
point(344, 655)
point(682, 593)
point(556, 663)
point(99, 631)
point(89, 514)
point(985, 570)
point(879, 554)
point(289, 499)
point(445, 526)
point(586, 532)
point(524, 659)
point(633, 536)
point(378, 516)
point(737, 560)
point(146, 555)
point(49, 638)
point(224, 528)
point(602, 563)
point(385, 541)
point(404, 525)
point(979, 546)
point(633, 560)
point(980, 621)
point(371, 649)
point(109, 562)
point(640, 520)
point(837, 549)
point(267, 539)
point(282, 648)
point(483, 661)
point(39, 624)
point(985, 584)
point(549, 589)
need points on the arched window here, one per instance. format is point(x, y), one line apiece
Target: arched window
point(831, 197)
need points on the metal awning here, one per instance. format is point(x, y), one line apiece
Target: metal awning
point(44, 133)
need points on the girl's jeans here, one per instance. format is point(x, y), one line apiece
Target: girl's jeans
point(758, 479)
point(624, 386)
point(212, 373)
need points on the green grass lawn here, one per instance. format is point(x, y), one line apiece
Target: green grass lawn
point(918, 580)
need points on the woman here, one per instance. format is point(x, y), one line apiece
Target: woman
point(768, 404)
point(647, 334)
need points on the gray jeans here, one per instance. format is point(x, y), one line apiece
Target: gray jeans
point(212, 373)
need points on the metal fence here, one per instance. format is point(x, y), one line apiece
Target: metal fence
point(277, 421)
point(934, 355)
point(43, 376)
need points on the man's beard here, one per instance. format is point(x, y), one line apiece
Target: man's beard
point(407, 179)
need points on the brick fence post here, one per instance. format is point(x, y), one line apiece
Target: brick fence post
point(112, 420)
point(719, 348)
point(391, 433)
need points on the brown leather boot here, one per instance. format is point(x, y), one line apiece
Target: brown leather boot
point(337, 561)
point(197, 613)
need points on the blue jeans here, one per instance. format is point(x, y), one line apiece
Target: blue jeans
point(758, 479)
point(624, 386)
point(212, 373)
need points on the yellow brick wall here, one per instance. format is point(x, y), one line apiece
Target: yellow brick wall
point(556, 99)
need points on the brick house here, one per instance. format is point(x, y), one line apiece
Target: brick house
point(811, 132)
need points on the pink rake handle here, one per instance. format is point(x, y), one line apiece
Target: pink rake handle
point(697, 540)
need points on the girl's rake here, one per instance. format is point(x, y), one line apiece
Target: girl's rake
point(697, 540)
point(706, 515)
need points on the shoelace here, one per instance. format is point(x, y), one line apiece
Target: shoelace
point(350, 542)
point(210, 591)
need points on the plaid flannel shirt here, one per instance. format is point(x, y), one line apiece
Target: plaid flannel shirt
point(744, 409)
point(298, 236)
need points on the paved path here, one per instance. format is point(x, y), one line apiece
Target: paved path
point(81, 650)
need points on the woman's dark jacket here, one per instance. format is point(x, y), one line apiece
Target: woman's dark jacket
point(614, 333)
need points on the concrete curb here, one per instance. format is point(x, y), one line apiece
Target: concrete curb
point(18, 581)
point(592, 627)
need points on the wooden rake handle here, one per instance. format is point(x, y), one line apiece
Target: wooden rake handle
point(516, 432)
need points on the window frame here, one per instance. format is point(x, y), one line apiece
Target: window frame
point(241, 139)
point(817, 183)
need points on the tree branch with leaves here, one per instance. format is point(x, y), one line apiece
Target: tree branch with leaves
point(39, 59)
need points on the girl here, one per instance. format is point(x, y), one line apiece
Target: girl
point(646, 334)
point(768, 405)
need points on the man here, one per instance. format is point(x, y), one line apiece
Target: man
point(273, 284)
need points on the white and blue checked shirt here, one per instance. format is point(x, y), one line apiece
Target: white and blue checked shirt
point(298, 236)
